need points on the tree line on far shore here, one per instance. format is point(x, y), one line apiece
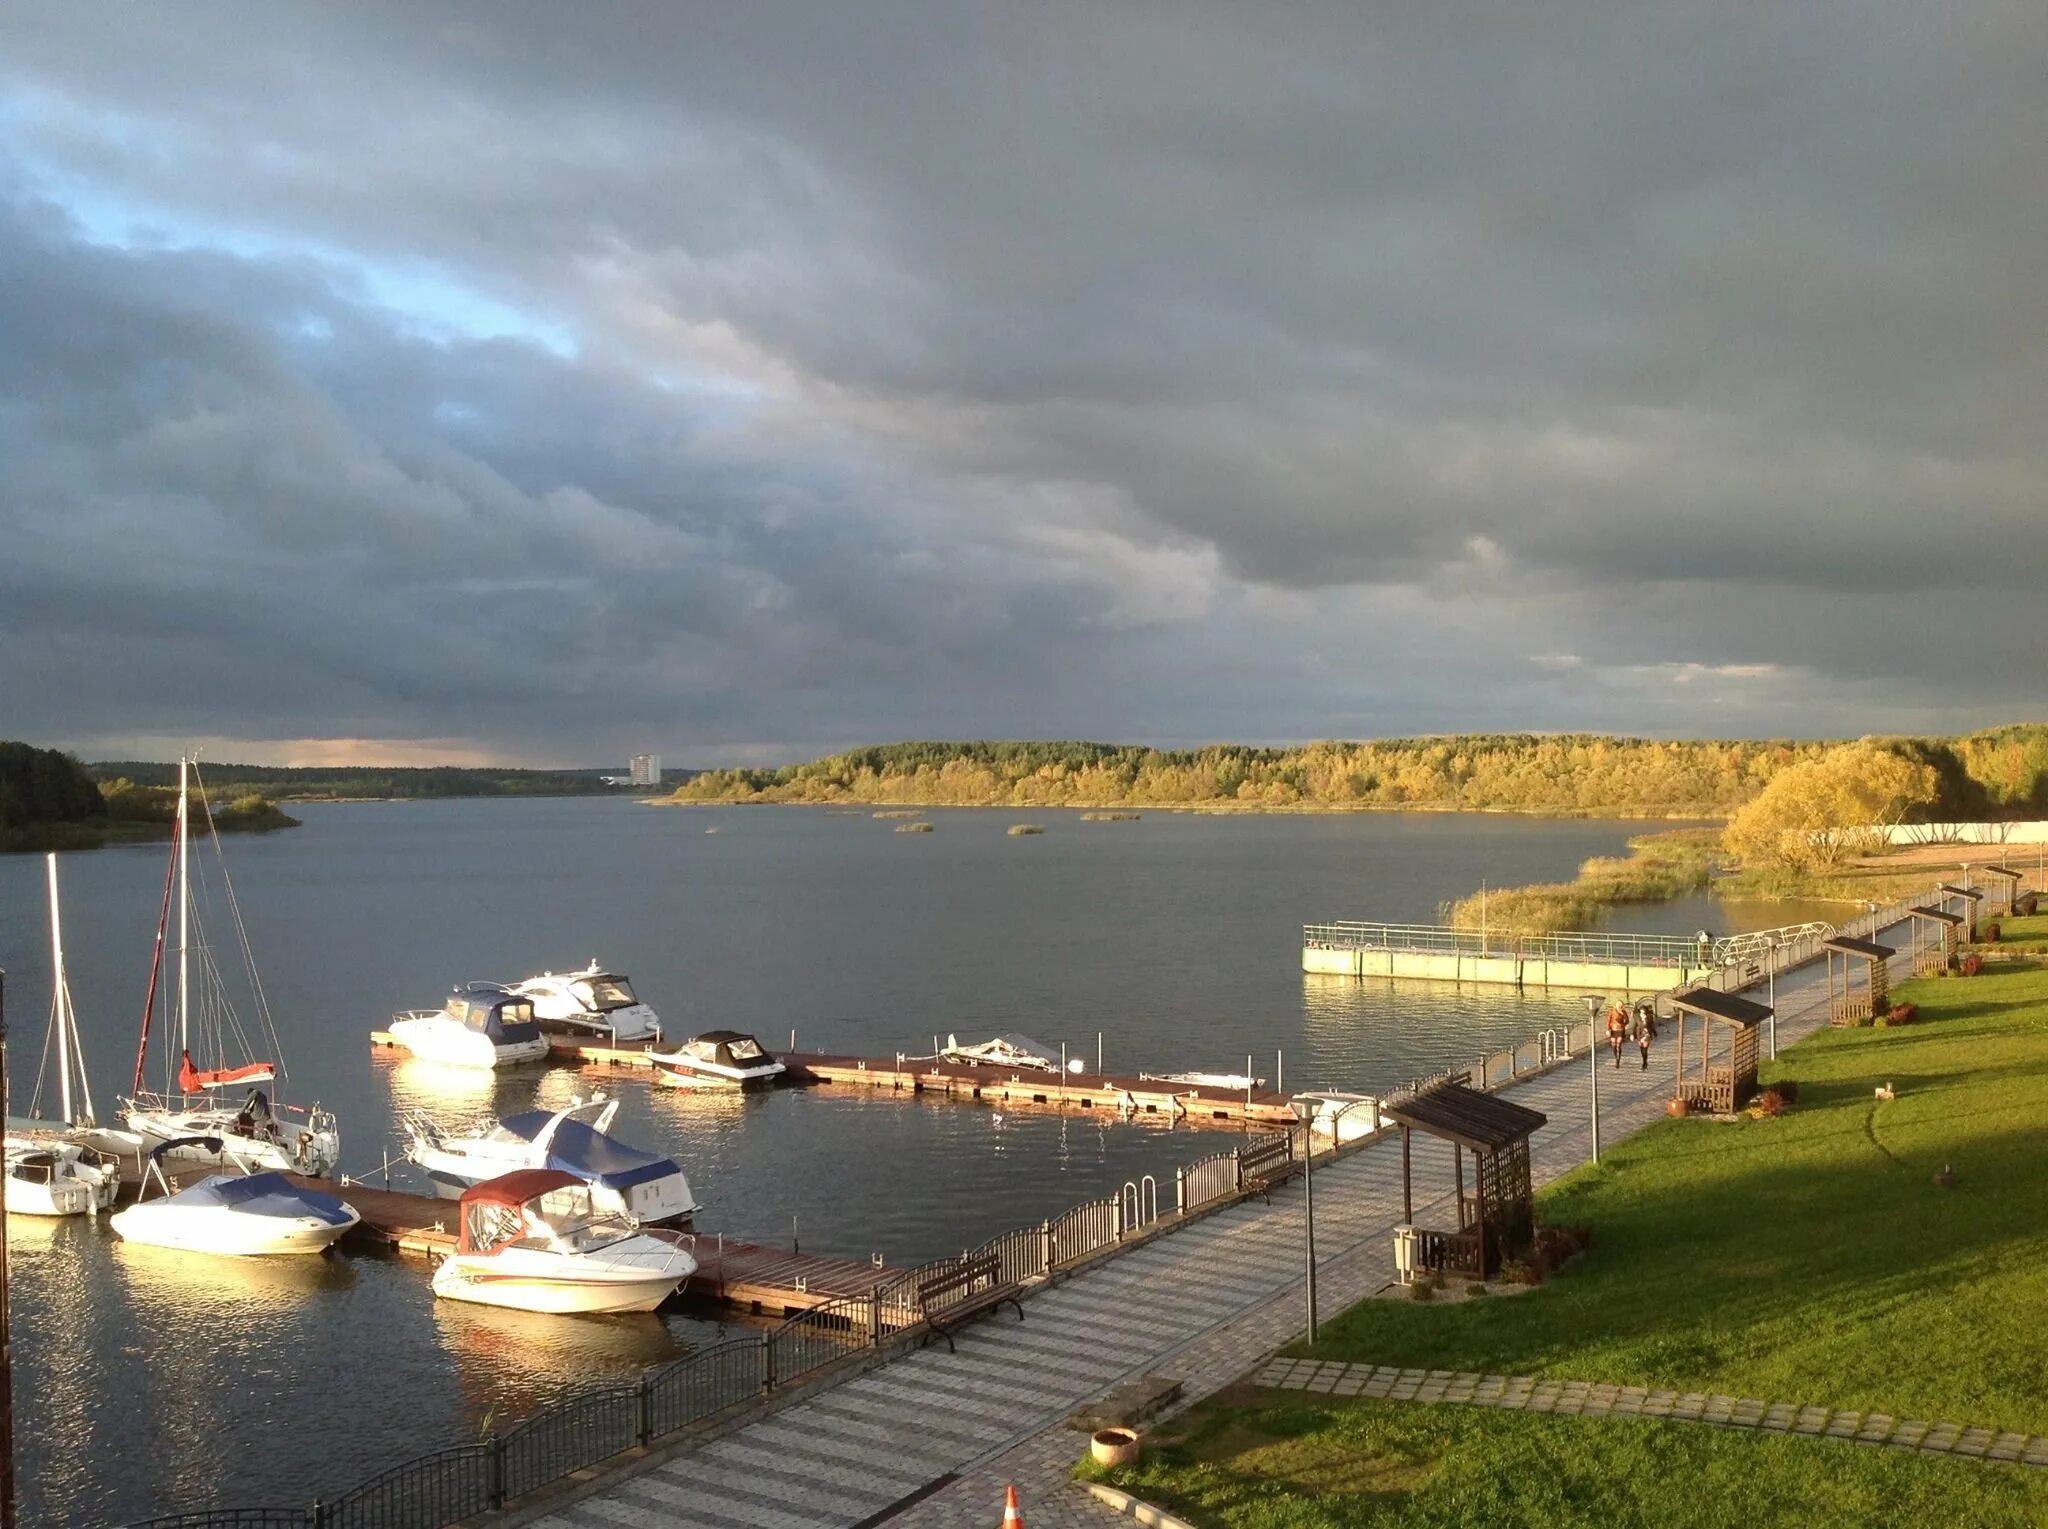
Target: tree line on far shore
point(49, 800)
point(2001, 772)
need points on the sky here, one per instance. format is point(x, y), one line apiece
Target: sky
point(541, 383)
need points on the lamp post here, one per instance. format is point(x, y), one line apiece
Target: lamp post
point(1774, 998)
point(1592, 1001)
point(1305, 1111)
point(6, 1323)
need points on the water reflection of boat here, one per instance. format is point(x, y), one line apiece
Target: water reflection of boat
point(167, 1285)
point(512, 1344)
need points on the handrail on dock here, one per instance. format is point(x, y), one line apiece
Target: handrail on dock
point(1447, 939)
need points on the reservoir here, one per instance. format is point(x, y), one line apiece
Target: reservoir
point(148, 1381)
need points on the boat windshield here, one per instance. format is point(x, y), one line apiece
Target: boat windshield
point(745, 1049)
point(606, 993)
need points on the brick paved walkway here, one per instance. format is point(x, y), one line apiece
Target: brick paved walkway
point(1584, 1398)
point(1204, 1305)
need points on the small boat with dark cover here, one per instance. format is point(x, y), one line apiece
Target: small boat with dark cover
point(717, 1059)
point(483, 1024)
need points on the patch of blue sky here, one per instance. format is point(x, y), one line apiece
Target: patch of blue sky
point(428, 302)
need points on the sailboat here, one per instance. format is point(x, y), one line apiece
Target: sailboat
point(190, 1112)
point(47, 1173)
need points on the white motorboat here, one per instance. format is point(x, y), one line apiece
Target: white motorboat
point(1343, 1117)
point(481, 1025)
point(1007, 1050)
point(717, 1059)
point(48, 1176)
point(240, 1215)
point(260, 1132)
point(623, 1180)
point(532, 1240)
point(590, 1003)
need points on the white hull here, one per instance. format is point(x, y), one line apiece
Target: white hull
point(217, 1229)
point(437, 1038)
point(48, 1178)
point(576, 1002)
point(687, 1072)
point(629, 1025)
point(293, 1149)
point(636, 1275)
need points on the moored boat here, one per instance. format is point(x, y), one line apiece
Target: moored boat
point(1008, 1050)
point(717, 1059)
point(533, 1241)
point(47, 1176)
point(239, 1215)
point(591, 1004)
point(483, 1024)
point(623, 1179)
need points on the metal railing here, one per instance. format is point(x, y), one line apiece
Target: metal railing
point(1205, 1181)
point(1444, 939)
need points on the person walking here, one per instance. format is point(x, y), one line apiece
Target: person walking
point(1617, 1029)
point(1645, 1029)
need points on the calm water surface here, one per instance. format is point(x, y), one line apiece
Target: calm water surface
point(147, 1380)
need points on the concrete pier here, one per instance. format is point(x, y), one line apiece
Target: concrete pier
point(1630, 963)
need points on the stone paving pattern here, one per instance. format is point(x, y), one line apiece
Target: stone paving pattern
point(1205, 1305)
point(1584, 1398)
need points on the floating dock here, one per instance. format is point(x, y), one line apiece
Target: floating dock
point(1023, 1088)
point(1012, 1087)
point(1600, 963)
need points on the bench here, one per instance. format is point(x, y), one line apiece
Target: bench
point(977, 1284)
point(1267, 1162)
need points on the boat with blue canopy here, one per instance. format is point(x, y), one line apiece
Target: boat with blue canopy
point(236, 1214)
point(623, 1179)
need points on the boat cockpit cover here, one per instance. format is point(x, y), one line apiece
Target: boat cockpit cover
point(266, 1194)
point(491, 1210)
point(490, 1010)
point(591, 1156)
point(729, 1048)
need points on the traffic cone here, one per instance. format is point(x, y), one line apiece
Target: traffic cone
point(1012, 1519)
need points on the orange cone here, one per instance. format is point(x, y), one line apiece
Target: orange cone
point(1012, 1519)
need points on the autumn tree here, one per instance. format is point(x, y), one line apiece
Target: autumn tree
point(1811, 816)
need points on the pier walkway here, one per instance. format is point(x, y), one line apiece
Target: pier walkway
point(929, 1440)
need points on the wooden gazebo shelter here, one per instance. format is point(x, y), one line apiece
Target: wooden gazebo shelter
point(1845, 1004)
point(1498, 1219)
point(1721, 1087)
point(1969, 897)
point(1934, 939)
point(2008, 884)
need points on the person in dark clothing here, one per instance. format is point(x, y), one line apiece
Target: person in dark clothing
point(1645, 1029)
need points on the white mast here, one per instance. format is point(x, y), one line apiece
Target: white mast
point(184, 909)
point(61, 1017)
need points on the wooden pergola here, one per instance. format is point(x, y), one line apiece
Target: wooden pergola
point(1721, 1088)
point(2008, 884)
point(1498, 1219)
point(1934, 939)
point(1845, 1004)
point(1969, 897)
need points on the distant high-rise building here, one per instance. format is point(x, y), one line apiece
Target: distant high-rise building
point(644, 770)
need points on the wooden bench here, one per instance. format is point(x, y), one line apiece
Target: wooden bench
point(979, 1286)
point(1267, 1162)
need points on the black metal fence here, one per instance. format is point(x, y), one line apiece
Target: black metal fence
point(435, 1490)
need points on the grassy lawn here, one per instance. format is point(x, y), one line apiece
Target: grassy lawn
point(1808, 1258)
point(2024, 933)
point(1267, 1460)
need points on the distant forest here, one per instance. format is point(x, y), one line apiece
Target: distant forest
point(365, 782)
point(48, 800)
point(1999, 773)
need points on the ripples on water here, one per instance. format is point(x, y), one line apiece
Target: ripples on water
point(148, 1380)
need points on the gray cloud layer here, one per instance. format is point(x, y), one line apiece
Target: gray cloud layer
point(742, 379)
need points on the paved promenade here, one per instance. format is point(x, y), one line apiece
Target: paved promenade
point(1204, 1305)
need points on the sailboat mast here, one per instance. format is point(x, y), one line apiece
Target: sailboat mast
point(184, 907)
point(62, 1018)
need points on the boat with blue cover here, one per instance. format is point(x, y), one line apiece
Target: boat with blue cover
point(235, 1214)
point(623, 1179)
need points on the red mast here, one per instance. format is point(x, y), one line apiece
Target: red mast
point(156, 967)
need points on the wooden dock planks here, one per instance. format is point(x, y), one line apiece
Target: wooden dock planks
point(1023, 1088)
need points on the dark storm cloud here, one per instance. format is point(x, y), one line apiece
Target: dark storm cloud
point(795, 375)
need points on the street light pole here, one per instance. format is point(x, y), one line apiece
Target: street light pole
point(1774, 1000)
point(1305, 1111)
point(1592, 1002)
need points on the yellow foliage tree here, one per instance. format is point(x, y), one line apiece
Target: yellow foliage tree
point(1813, 815)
